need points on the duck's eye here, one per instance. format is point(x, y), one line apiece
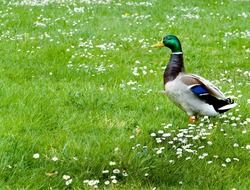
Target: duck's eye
point(169, 38)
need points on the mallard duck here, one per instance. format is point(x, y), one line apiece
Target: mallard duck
point(192, 93)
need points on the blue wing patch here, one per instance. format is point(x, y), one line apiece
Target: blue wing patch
point(199, 90)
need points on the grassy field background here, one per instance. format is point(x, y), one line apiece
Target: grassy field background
point(81, 104)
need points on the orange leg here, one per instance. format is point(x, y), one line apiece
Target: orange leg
point(192, 119)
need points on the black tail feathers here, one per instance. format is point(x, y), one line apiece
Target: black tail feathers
point(229, 101)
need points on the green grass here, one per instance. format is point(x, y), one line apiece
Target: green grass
point(74, 102)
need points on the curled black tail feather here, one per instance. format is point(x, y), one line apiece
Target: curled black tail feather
point(216, 103)
point(229, 101)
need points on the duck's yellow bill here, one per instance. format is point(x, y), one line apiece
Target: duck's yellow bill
point(158, 45)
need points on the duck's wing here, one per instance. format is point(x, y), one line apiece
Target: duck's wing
point(207, 92)
point(201, 86)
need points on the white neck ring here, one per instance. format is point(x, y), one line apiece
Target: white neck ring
point(177, 53)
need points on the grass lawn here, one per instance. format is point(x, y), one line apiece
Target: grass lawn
point(81, 104)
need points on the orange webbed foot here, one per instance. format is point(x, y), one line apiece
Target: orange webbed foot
point(192, 119)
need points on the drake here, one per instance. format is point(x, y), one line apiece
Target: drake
point(192, 93)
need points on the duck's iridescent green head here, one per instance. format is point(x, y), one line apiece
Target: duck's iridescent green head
point(172, 42)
